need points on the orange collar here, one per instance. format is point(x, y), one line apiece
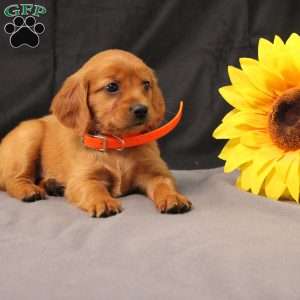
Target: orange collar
point(103, 143)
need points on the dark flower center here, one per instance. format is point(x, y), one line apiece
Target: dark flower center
point(284, 120)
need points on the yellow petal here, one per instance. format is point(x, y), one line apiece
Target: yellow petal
point(293, 42)
point(228, 148)
point(293, 179)
point(259, 178)
point(277, 60)
point(268, 82)
point(266, 53)
point(286, 66)
point(246, 61)
point(254, 138)
point(290, 73)
point(237, 76)
point(243, 85)
point(293, 48)
point(248, 118)
point(230, 114)
point(233, 97)
point(264, 156)
point(246, 177)
point(278, 42)
point(274, 186)
point(283, 164)
point(238, 156)
point(225, 131)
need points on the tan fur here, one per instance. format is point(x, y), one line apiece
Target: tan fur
point(92, 179)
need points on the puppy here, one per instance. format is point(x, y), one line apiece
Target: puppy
point(101, 97)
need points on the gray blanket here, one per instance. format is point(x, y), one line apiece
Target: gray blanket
point(232, 245)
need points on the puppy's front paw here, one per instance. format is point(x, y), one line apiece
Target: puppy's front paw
point(174, 204)
point(102, 208)
point(32, 193)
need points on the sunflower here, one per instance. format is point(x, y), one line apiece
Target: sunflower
point(263, 128)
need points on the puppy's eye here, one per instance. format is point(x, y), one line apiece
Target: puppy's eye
point(112, 87)
point(147, 85)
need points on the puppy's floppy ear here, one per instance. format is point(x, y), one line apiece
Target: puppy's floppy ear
point(70, 105)
point(157, 98)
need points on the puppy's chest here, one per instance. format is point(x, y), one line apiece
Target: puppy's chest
point(122, 176)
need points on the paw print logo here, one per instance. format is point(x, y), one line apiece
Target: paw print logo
point(24, 32)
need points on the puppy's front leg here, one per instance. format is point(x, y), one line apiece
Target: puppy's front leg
point(92, 196)
point(161, 189)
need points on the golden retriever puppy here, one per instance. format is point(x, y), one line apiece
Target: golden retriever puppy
point(112, 94)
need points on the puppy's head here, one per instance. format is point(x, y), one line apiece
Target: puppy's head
point(114, 93)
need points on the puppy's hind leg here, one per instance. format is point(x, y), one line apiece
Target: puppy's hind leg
point(19, 154)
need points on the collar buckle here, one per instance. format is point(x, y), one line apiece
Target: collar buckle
point(121, 141)
point(103, 138)
point(104, 142)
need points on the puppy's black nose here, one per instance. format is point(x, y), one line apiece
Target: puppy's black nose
point(140, 111)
